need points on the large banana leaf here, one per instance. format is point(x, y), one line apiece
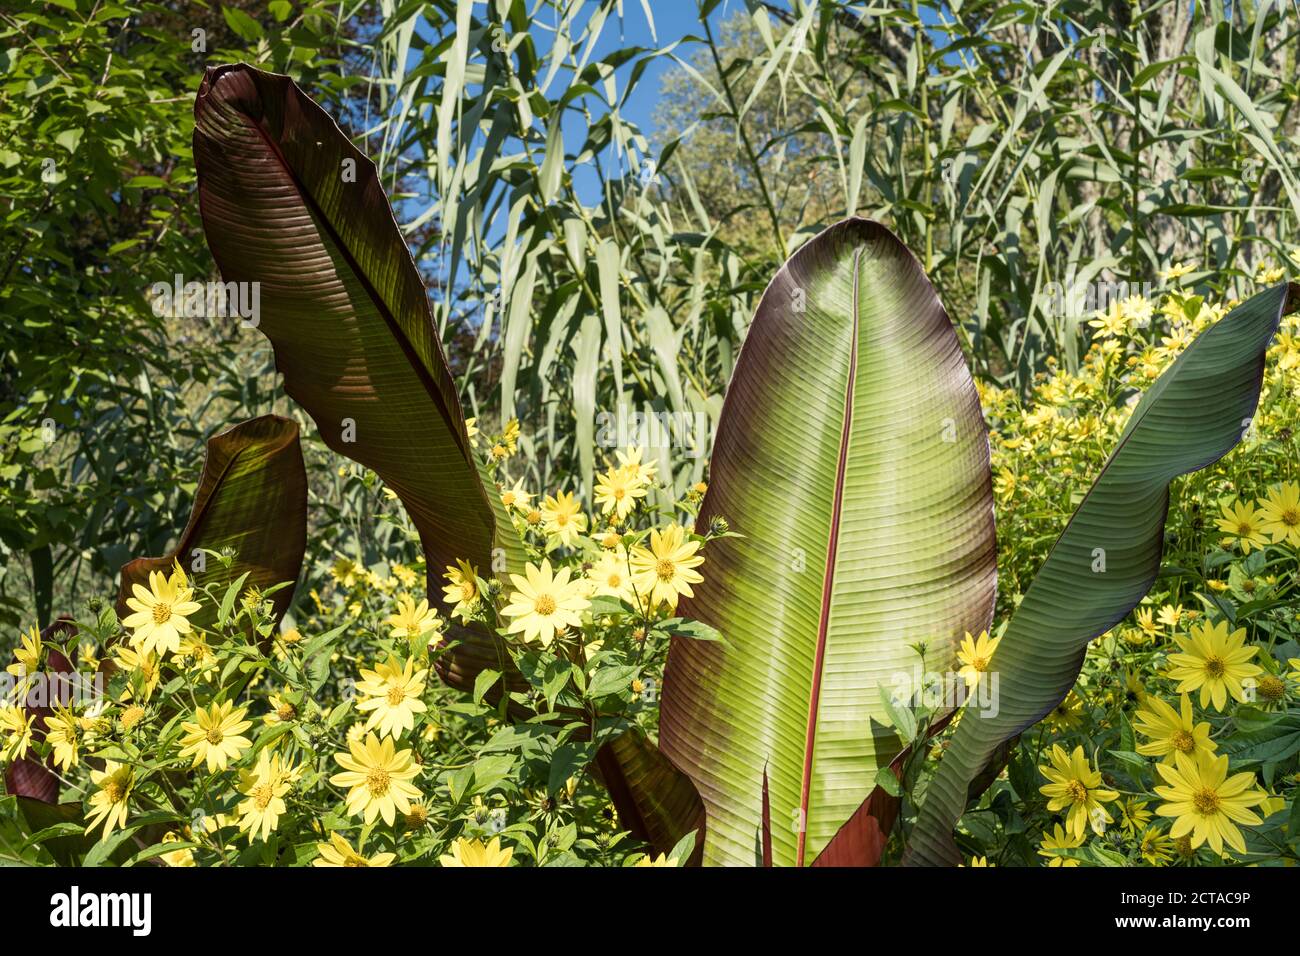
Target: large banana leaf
point(251, 499)
point(852, 456)
point(1193, 415)
point(288, 202)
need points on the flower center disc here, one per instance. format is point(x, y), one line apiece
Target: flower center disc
point(1206, 801)
point(377, 782)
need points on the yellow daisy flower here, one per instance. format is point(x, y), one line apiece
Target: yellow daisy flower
point(378, 777)
point(543, 603)
point(391, 694)
point(1155, 847)
point(1059, 839)
point(63, 733)
point(1075, 788)
point(16, 725)
point(617, 491)
point(561, 518)
point(161, 612)
point(1205, 803)
point(1243, 522)
point(145, 669)
point(516, 498)
point(1170, 615)
point(1110, 322)
point(108, 804)
point(338, 852)
point(1280, 511)
point(1171, 731)
point(264, 787)
point(975, 655)
point(1067, 715)
point(466, 852)
point(661, 860)
point(183, 857)
point(461, 589)
point(27, 659)
point(610, 576)
point(630, 461)
point(1133, 815)
point(665, 571)
point(411, 620)
point(214, 735)
point(1145, 621)
point(1214, 662)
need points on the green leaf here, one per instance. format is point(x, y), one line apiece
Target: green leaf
point(853, 461)
point(228, 601)
point(99, 854)
point(900, 715)
point(1108, 556)
point(316, 654)
point(486, 678)
point(612, 680)
point(244, 26)
point(696, 630)
point(251, 498)
point(887, 782)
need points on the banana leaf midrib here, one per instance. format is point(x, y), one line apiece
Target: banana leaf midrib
point(828, 584)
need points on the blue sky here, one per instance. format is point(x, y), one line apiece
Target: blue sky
point(673, 20)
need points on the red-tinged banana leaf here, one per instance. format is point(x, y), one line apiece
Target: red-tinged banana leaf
point(853, 460)
point(656, 802)
point(251, 499)
point(31, 777)
point(288, 203)
point(1109, 554)
point(862, 839)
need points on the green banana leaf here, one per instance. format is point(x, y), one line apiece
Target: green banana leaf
point(1193, 415)
point(290, 204)
point(252, 499)
point(853, 460)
